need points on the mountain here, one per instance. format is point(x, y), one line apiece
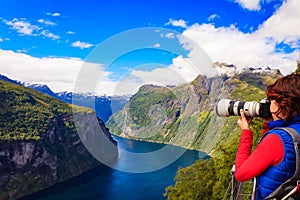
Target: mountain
point(40, 141)
point(37, 87)
point(104, 106)
point(5, 78)
point(42, 88)
point(224, 68)
point(185, 115)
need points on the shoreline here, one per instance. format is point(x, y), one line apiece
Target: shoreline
point(158, 142)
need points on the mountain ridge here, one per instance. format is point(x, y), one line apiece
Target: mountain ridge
point(103, 105)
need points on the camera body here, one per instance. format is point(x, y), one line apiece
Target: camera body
point(227, 107)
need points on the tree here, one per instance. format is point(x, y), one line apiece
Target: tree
point(209, 178)
point(193, 182)
point(298, 67)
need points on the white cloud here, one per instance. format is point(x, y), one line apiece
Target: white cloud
point(70, 32)
point(46, 22)
point(50, 35)
point(256, 49)
point(56, 14)
point(178, 23)
point(158, 76)
point(249, 4)
point(229, 45)
point(59, 74)
point(126, 85)
point(170, 35)
point(157, 45)
point(283, 26)
point(82, 45)
point(181, 71)
point(4, 39)
point(134, 79)
point(21, 51)
point(212, 17)
point(23, 27)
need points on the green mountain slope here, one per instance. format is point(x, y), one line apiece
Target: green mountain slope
point(39, 143)
point(185, 115)
point(25, 113)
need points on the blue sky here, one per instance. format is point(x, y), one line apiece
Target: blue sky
point(47, 41)
point(93, 21)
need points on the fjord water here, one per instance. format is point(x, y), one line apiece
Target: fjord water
point(110, 184)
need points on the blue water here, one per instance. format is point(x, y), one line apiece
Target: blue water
point(110, 184)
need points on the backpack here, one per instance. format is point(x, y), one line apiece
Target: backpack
point(290, 189)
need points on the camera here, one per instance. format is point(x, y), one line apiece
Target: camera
point(227, 107)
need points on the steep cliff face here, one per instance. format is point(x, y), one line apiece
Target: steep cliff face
point(185, 115)
point(40, 145)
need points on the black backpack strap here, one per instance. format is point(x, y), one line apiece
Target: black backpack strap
point(292, 185)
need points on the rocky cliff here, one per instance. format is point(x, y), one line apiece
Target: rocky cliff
point(185, 115)
point(39, 143)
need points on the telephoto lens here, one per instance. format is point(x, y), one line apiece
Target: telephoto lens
point(228, 107)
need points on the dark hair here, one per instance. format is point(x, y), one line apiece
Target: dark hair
point(286, 92)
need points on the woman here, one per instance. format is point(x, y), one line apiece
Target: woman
point(273, 160)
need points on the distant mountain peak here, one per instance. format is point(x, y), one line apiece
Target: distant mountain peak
point(230, 69)
point(5, 78)
point(41, 88)
point(258, 70)
point(224, 68)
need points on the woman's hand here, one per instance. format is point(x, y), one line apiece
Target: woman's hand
point(244, 122)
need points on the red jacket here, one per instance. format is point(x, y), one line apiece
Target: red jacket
point(268, 153)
